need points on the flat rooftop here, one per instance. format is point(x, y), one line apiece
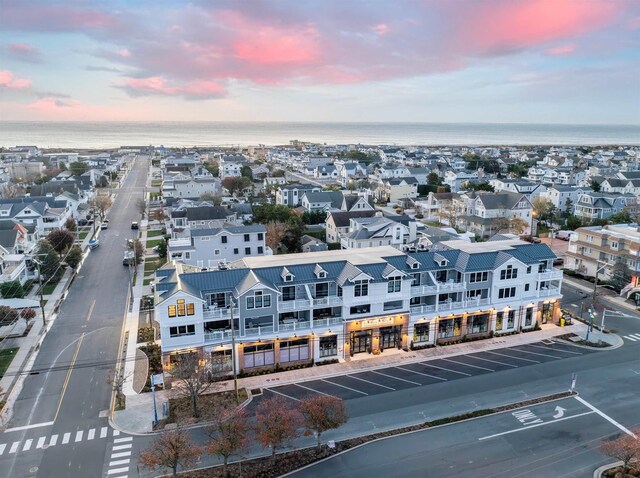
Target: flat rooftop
point(368, 255)
point(478, 247)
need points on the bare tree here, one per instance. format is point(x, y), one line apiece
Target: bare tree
point(27, 314)
point(9, 190)
point(142, 206)
point(171, 449)
point(448, 215)
point(215, 199)
point(100, 204)
point(196, 377)
point(229, 434)
point(117, 384)
point(518, 225)
point(625, 448)
point(159, 215)
point(276, 232)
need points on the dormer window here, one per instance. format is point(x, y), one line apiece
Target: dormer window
point(322, 275)
point(415, 265)
point(288, 278)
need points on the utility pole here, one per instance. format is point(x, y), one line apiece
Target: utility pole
point(233, 353)
point(44, 320)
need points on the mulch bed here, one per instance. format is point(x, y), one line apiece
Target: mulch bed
point(286, 462)
point(617, 472)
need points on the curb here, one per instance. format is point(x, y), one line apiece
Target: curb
point(597, 473)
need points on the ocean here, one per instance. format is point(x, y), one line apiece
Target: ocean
point(96, 135)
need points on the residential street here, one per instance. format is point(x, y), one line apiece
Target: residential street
point(59, 426)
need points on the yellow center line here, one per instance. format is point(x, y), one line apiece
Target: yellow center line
point(91, 310)
point(66, 380)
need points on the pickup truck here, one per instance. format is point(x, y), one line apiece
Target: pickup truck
point(129, 258)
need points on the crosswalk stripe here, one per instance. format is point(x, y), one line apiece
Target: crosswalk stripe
point(41, 441)
point(2, 447)
point(628, 337)
point(91, 434)
point(54, 440)
point(122, 447)
point(103, 432)
point(636, 335)
point(79, 434)
point(65, 438)
point(116, 455)
point(119, 462)
point(14, 447)
point(27, 445)
point(116, 433)
point(120, 440)
point(118, 470)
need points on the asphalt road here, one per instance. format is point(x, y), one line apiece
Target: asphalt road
point(59, 426)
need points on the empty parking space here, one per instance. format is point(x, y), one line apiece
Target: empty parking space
point(441, 370)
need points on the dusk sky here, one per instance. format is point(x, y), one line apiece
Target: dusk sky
point(539, 61)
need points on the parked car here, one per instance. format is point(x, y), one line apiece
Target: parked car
point(105, 224)
point(531, 239)
point(134, 225)
point(82, 222)
point(558, 261)
point(94, 243)
point(564, 235)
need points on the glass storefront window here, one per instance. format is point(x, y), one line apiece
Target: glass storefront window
point(528, 316)
point(478, 324)
point(329, 346)
point(421, 333)
point(499, 317)
point(449, 328)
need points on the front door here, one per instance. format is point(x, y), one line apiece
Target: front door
point(360, 341)
point(389, 336)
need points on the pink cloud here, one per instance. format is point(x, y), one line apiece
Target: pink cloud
point(561, 50)
point(9, 81)
point(159, 86)
point(381, 29)
point(24, 52)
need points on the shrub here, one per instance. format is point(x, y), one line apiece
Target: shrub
point(146, 334)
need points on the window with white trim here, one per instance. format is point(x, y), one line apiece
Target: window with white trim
point(361, 288)
point(394, 284)
point(507, 293)
point(509, 273)
point(258, 300)
point(181, 330)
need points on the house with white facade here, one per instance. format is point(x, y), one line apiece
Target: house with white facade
point(291, 194)
point(231, 165)
point(484, 213)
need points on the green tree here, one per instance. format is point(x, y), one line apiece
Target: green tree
point(49, 260)
point(622, 217)
point(74, 256)
point(434, 179)
point(63, 167)
point(272, 212)
point(70, 224)
point(481, 186)
point(245, 172)
point(12, 290)
point(620, 276)
point(236, 184)
point(78, 168)
point(543, 208)
point(595, 185)
point(213, 167)
point(162, 249)
point(573, 222)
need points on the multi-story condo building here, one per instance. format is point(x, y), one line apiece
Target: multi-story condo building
point(606, 247)
point(206, 248)
point(335, 304)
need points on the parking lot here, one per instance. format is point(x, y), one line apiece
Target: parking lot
point(429, 372)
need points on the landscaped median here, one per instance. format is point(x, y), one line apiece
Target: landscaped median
point(291, 461)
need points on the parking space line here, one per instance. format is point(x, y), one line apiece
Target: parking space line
point(344, 386)
point(312, 390)
point(395, 378)
point(469, 365)
point(282, 394)
point(536, 353)
point(427, 364)
point(511, 356)
point(603, 415)
point(535, 426)
point(557, 350)
point(495, 361)
point(372, 383)
point(421, 373)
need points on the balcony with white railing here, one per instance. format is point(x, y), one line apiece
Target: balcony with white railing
point(450, 305)
point(258, 331)
point(288, 325)
point(550, 275)
point(423, 309)
point(451, 286)
point(327, 322)
point(327, 301)
point(218, 335)
point(216, 313)
point(549, 292)
point(423, 289)
point(286, 305)
point(179, 242)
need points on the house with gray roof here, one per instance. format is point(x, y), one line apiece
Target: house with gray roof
point(486, 213)
point(294, 308)
point(592, 205)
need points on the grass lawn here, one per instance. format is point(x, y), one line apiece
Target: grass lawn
point(6, 356)
point(49, 288)
point(154, 242)
point(152, 265)
point(147, 281)
point(154, 233)
point(156, 182)
point(83, 234)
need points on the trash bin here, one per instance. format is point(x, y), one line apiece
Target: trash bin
point(561, 321)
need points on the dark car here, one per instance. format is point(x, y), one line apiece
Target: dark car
point(134, 225)
point(558, 261)
point(531, 239)
point(82, 222)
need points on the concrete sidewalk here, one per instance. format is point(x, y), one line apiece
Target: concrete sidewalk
point(137, 417)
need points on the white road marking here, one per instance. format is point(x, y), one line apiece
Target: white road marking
point(534, 426)
point(122, 447)
point(2, 447)
point(65, 438)
point(628, 337)
point(536, 353)
point(556, 350)
point(54, 440)
point(116, 433)
point(421, 373)
point(41, 441)
point(121, 440)
point(14, 447)
point(91, 435)
point(427, 364)
point(636, 336)
point(603, 415)
point(103, 432)
point(344, 386)
point(118, 470)
point(79, 434)
point(369, 381)
point(511, 356)
point(120, 454)
point(395, 378)
point(27, 445)
point(28, 427)
point(312, 390)
point(495, 361)
point(280, 393)
point(469, 365)
point(119, 462)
